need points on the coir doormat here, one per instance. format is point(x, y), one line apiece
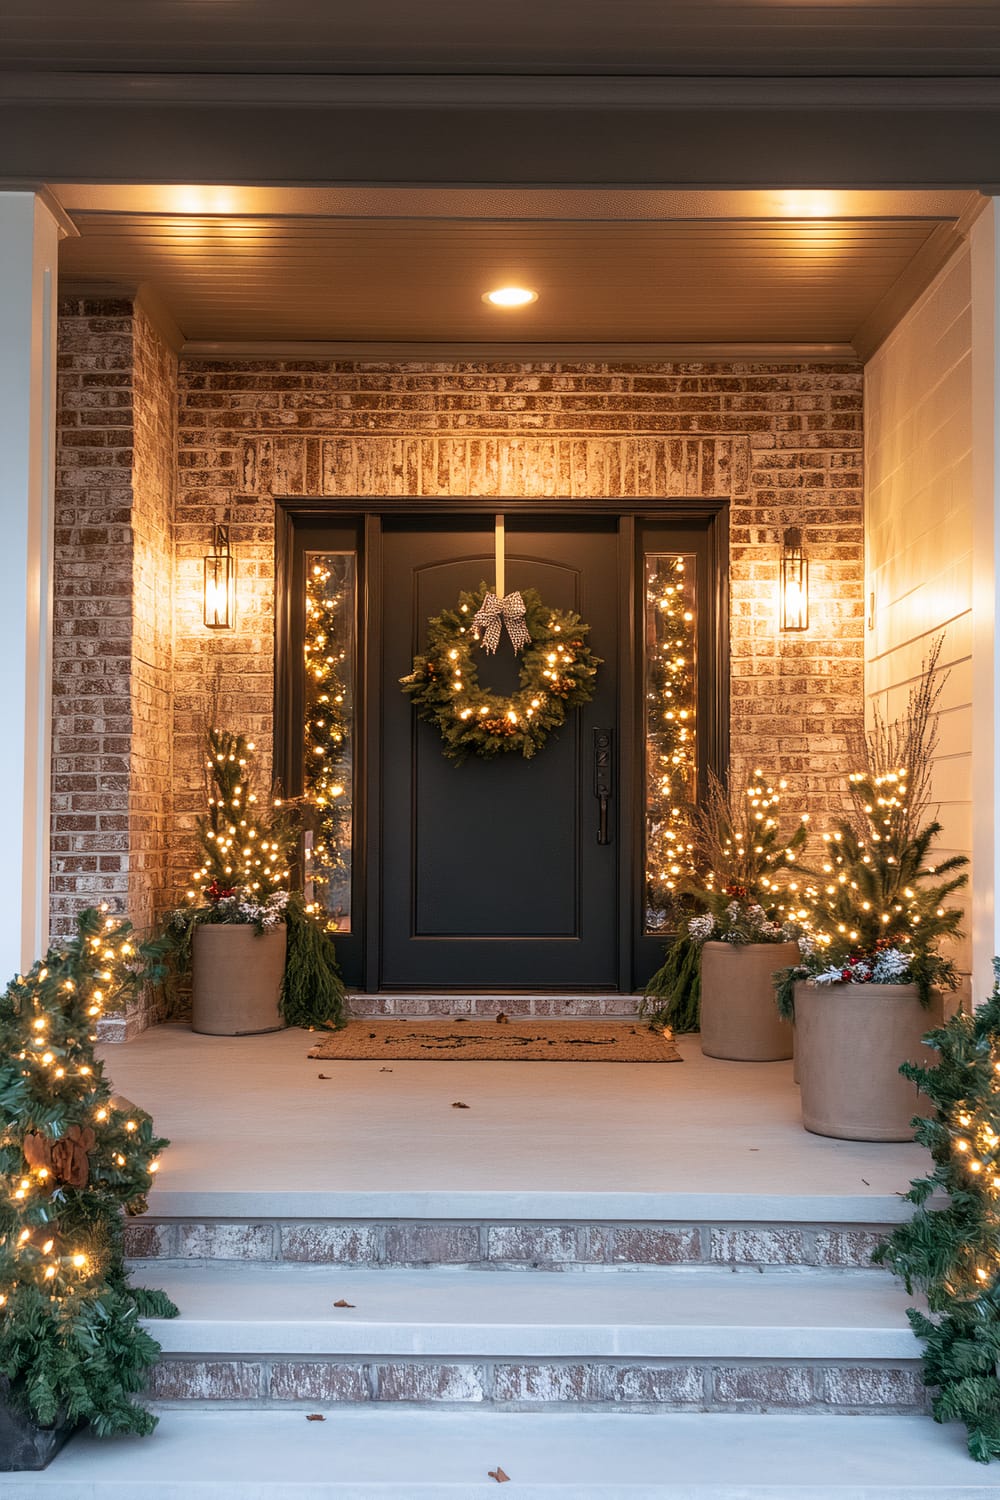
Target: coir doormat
point(513, 1041)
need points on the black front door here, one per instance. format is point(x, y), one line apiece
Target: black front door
point(492, 873)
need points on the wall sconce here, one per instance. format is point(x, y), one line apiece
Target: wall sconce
point(220, 582)
point(794, 582)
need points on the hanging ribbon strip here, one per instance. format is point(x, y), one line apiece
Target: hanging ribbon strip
point(493, 613)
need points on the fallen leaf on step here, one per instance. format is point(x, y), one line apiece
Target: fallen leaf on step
point(499, 1475)
point(459, 1105)
point(327, 1076)
point(342, 1303)
point(385, 1070)
point(315, 1416)
point(503, 1019)
point(866, 1182)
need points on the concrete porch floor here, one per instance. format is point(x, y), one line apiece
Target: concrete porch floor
point(254, 1127)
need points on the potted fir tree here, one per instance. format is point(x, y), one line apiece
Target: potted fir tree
point(72, 1349)
point(260, 958)
point(745, 930)
point(869, 981)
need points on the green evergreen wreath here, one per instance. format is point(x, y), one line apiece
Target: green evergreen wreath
point(558, 670)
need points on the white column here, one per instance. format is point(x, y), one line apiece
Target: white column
point(985, 248)
point(29, 239)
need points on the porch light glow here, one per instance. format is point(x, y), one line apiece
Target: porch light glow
point(220, 582)
point(510, 296)
point(794, 582)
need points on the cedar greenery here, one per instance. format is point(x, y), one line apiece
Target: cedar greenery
point(672, 998)
point(952, 1253)
point(557, 673)
point(71, 1157)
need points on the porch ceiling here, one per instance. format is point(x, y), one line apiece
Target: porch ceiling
point(399, 267)
point(674, 37)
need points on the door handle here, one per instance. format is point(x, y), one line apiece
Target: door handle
point(603, 780)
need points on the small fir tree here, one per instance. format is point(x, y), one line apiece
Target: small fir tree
point(248, 852)
point(71, 1157)
point(952, 1253)
point(877, 908)
point(738, 849)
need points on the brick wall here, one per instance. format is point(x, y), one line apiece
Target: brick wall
point(153, 479)
point(782, 441)
point(92, 670)
point(112, 688)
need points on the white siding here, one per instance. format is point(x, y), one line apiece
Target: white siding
point(918, 527)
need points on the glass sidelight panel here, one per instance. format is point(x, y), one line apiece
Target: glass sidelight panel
point(329, 737)
point(670, 688)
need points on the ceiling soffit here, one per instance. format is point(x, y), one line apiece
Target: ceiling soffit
point(730, 279)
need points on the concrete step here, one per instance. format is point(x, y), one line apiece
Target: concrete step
point(674, 1339)
point(290, 1309)
point(407, 1455)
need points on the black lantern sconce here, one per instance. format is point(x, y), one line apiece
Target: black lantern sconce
point(220, 582)
point(794, 582)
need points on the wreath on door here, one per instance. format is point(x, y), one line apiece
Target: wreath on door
point(557, 674)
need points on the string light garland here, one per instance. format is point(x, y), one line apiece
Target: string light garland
point(557, 674)
point(671, 733)
point(71, 1157)
point(327, 763)
point(952, 1253)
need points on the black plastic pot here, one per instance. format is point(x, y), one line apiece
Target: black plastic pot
point(25, 1445)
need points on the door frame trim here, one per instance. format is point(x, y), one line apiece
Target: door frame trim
point(367, 511)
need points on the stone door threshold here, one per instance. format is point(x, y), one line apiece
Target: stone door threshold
point(550, 1004)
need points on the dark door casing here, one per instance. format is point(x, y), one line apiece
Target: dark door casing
point(494, 875)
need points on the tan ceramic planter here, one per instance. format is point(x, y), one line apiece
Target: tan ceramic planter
point(850, 1040)
point(236, 975)
point(739, 1017)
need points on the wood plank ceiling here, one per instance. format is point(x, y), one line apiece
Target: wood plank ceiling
point(898, 38)
point(687, 281)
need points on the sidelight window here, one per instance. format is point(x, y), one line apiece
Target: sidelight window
point(670, 670)
point(329, 731)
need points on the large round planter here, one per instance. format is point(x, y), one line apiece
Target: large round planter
point(236, 979)
point(739, 1017)
point(850, 1040)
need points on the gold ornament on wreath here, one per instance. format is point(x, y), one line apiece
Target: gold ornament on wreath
point(557, 674)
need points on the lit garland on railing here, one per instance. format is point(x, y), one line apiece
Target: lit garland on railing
point(328, 717)
point(70, 1157)
point(671, 735)
point(951, 1253)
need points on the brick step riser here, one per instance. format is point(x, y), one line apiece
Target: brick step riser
point(486, 1007)
point(817, 1387)
point(500, 1246)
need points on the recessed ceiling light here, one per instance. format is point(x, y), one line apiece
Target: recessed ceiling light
point(510, 296)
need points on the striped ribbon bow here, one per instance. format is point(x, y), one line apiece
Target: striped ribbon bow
point(493, 613)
